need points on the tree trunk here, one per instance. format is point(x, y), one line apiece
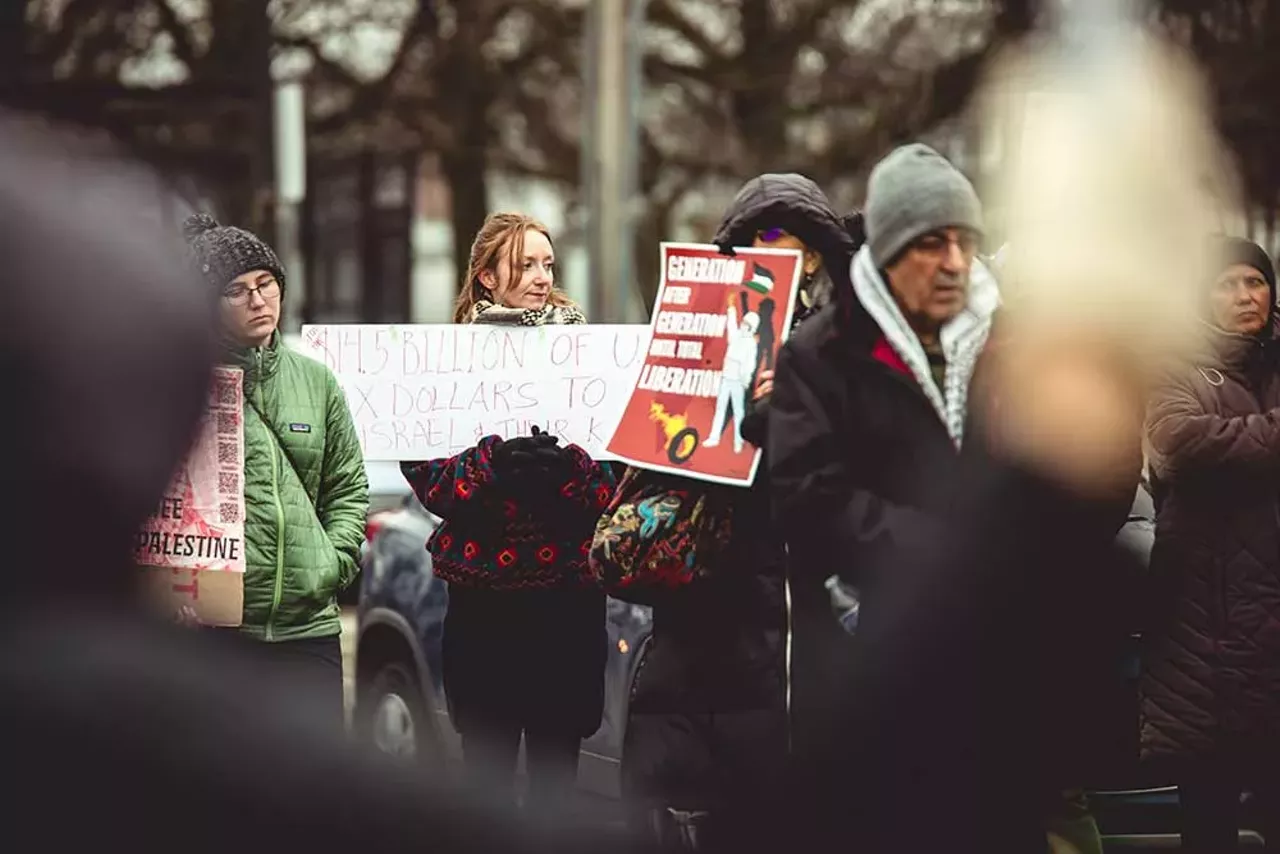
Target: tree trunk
point(651, 229)
point(13, 42)
point(262, 161)
point(1269, 220)
point(758, 112)
point(465, 167)
point(239, 60)
point(401, 304)
point(372, 281)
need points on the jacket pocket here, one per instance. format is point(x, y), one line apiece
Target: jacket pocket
point(327, 575)
point(312, 583)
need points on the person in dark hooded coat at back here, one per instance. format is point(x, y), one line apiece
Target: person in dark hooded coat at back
point(708, 731)
point(1210, 685)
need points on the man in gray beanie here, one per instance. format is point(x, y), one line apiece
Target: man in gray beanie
point(914, 191)
point(866, 423)
point(869, 435)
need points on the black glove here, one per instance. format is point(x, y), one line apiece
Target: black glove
point(532, 465)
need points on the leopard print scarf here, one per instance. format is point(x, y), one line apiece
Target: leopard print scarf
point(485, 311)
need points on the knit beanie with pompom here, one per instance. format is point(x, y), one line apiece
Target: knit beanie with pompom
point(224, 252)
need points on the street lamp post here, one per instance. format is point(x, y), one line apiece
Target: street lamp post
point(291, 189)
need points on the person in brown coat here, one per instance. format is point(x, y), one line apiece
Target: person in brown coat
point(1210, 687)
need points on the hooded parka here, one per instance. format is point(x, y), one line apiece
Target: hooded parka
point(708, 721)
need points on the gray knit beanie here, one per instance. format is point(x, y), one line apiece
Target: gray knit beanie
point(911, 192)
point(224, 252)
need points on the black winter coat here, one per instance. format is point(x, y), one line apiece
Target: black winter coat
point(1211, 672)
point(972, 668)
point(955, 651)
point(708, 720)
point(525, 659)
point(863, 470)
point(860, 464)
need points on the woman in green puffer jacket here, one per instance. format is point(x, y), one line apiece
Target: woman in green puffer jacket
point(305, 488)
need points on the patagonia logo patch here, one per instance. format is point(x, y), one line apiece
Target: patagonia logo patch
point(299, 428)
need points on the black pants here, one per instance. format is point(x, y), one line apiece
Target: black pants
point(1211, 814)
point(491, 752)
point(312, 668)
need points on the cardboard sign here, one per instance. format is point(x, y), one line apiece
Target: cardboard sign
point(717, 323)
point(191, 549)
point(425, 391)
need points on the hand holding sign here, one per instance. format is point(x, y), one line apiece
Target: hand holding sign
point(533, 465)
point(186, 616)
point(764, 385)
point(526, 452)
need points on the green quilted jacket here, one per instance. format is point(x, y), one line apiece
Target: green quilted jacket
point(306, 494)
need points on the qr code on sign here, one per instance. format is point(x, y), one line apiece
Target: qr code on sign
point(228, 423)
point(228, 481)
point(228, 453)
point(229, 512)
point(225, 392)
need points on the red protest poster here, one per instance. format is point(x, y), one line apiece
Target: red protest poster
point(717, 323)
point(191, 548)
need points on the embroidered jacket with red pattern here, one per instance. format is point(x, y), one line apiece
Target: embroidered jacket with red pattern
point(489, 540)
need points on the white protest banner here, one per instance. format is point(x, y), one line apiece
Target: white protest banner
point(420, 392)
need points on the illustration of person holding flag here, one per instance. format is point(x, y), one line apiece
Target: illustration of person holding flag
point(740, 360)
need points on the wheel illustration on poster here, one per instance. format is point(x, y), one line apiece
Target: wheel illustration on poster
point(680, 439)
point(682, 446)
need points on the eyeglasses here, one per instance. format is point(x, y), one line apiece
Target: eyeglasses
point(938, 243)
point(239, 294)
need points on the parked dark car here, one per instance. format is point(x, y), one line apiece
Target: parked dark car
point(387, 491)
point(400, 705)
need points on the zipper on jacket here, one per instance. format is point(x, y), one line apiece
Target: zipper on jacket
point(275, 496)
point(786, 593)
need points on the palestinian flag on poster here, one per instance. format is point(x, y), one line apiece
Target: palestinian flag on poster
point(761, 279)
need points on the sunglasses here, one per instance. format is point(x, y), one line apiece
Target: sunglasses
point(771, 235)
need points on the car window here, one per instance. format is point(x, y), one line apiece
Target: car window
point(387, 487)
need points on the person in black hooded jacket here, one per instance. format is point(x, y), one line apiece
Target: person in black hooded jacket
point(884, 412)
point(708, 720)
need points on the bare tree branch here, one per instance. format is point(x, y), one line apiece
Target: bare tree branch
point(183, 47)
point(664, 14)
point(370, 97)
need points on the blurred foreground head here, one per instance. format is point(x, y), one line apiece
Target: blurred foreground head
point(1113, 181)
point(106, 341)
